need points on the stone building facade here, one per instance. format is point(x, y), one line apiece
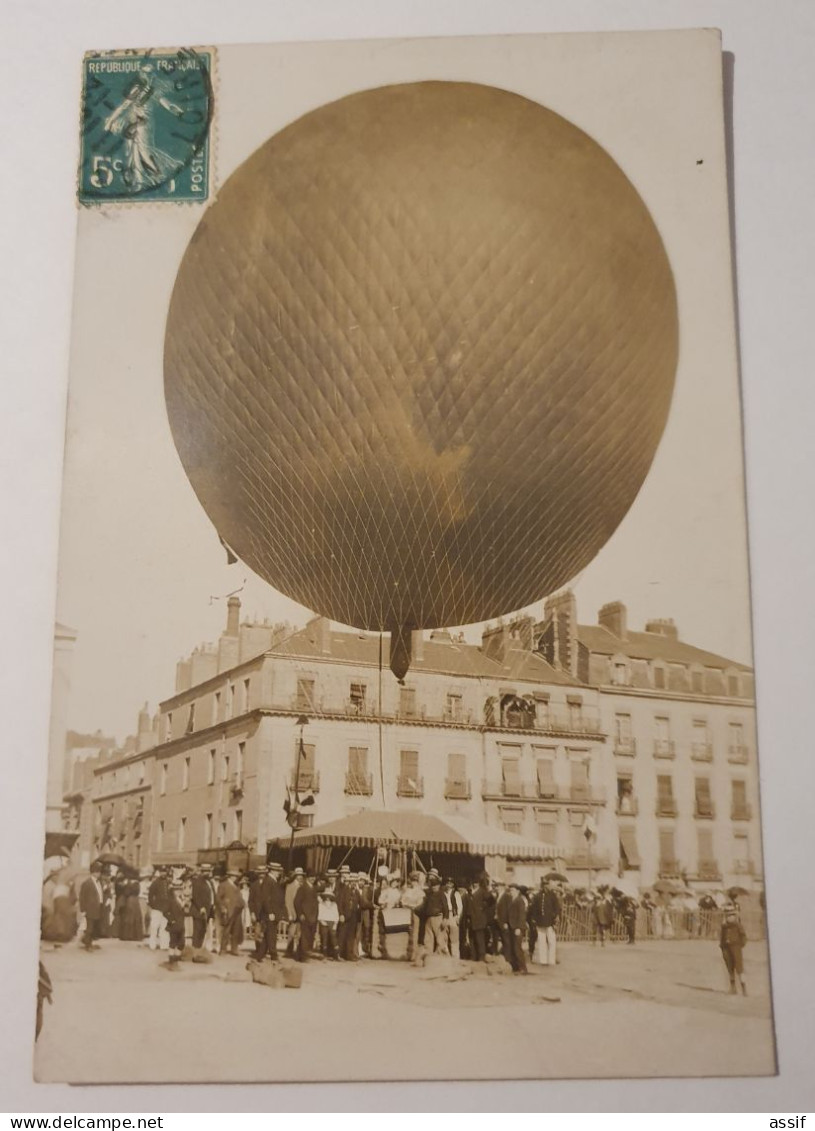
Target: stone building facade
point(629, 751)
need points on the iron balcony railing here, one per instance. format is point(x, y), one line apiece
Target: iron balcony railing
point(585, 860)
point(669, 868)
point(666, 807)
point(359, 785)
point(627, 806)
point(744, 867)
point(457, 790)
point(409, 787)
point(305, 782)
point(708, 870)
point(701, 751)
point(538, 791)
point(664, 748)
point(704, 809)
point(626, 746)
point(738, 754)
point(741, 812)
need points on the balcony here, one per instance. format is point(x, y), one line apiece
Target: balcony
point(741, 812)
point(306, 782)
point(708, 870)
point(666, 807)
point(457, 716)
point(701, 751)
point(627, 806)
point(457, 790)
point(704, 809)
point(669, 869)
point(744, 867)
point(535, 791)
point(358, 785)
point(409, 787)
point(664, 748)
point(738, 754)
point(625, 746)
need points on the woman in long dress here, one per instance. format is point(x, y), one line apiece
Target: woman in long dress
point(131, 922)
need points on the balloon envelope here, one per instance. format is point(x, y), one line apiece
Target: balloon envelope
point(420, 354)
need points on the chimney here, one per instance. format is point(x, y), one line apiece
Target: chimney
point(560, 631)
point(233, 616)
point(663, 627)
point(318, 630)
point(614, 617)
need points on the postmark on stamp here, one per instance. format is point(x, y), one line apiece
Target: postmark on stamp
point(145, 126)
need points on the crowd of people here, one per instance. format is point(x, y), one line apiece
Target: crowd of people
point(343, 916)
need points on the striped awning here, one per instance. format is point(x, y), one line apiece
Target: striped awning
point(422, 831)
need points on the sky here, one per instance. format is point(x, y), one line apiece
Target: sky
point(143, 577)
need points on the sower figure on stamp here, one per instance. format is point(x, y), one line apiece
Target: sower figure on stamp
point(732, 941)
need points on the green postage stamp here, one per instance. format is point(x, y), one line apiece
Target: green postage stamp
point(145, 126)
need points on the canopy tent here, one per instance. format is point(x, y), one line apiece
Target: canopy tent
point(374, 828)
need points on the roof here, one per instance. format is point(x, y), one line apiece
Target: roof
point(423, 831)
point(456, 658)
point(651, 646)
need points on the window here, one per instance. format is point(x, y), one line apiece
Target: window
point(697, 683)
point(230, 701)
point(357, 697)
point(700, 739)
point(667, 855)
point(625, 794)
point(165, 767)
point(704, 803)
point(619, 675)
point(238, 825)
point(454, 709)
point(240, 762)
point(304, 700)
point(211, 767)
point(407, 702)
point(575, 714)
point(622, 729)
point(246, 695)
point(733, 686)
point(306, 779)
point(510, 777)
point(182, 833)
point(739, 809)
point(207, 838)
point(663, 746)
point(160, 837)
point(665, 796)
point(659, 677)
point(704, 840)
point(579, 769)
point(191, 719)
point(358, 780)
point(546, 777)
point(222, 834)
point(169, 732)
point(629, 852)
point(547, 827)
point(457, 783)
point(580, 845)
point(216, 707)
point(142, 773)
point(741, 852)
point(512, 821)
point(185, 776)
point(409, 781)
point(225, 768)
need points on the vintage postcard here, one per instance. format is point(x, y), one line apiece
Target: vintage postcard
point(403, 717)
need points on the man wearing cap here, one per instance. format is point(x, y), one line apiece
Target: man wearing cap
point(202, 901)
point(731, 943)
point(435, 914)
point(544, 913)
point(157, 896)
point(482, 906)
point(90, 905)
point(229, 903)
point(502, 906)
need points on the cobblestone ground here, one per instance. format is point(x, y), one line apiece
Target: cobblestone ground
point(654, 1009)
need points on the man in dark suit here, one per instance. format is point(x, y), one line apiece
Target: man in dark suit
point(482, 904)
point(201, 907)
point(502, 919)
point(276, 903)
point(157, 896)
point(90, 905)
point(306, 906)
point(229, 902)
point(348, 908)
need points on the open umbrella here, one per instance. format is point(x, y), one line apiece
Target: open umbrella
point(665, 887)
point(736, 891)
point(558, 877)
point(117, 861)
